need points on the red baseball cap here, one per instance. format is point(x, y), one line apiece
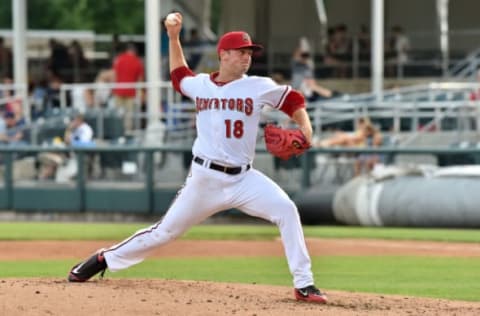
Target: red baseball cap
point(236, 40)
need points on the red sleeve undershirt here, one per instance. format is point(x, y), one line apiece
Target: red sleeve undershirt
point(293, 101)
point(178, 74)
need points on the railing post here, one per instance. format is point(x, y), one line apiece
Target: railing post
point(81, 179)
point(100, 123)
point(414, 125)
point(305, 162)
point(396, 119)
point(9, 178)
point(63, 96)
point(149, 179)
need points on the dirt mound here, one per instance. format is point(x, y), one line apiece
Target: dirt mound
point(166, 297)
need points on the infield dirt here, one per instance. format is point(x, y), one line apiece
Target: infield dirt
point(125, 297)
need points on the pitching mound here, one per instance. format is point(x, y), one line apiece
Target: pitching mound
point(166, 297)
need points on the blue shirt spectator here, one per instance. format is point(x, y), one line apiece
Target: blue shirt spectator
point(79, 133)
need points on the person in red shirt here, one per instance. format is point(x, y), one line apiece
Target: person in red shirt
point(128, 68)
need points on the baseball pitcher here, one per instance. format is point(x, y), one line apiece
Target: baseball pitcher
point(228, 107)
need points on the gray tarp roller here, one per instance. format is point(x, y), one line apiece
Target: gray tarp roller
point(444, 198)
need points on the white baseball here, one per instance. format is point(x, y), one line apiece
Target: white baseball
point(171, 19)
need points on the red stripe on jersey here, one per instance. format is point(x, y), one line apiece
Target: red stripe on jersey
point(293, 102)
point(282, 98)
point(178, 74)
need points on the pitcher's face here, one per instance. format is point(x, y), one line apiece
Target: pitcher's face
point(237, 60)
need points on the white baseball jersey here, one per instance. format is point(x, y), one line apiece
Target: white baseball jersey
point(228, 115)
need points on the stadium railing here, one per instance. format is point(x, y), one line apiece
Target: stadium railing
point(151, 190)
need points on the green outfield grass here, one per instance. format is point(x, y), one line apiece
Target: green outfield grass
point(450, 278)
point(107, 231)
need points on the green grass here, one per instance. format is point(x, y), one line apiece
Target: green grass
point(450, 278)
point(108, 231)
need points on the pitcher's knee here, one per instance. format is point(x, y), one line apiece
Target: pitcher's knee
point(286, 211)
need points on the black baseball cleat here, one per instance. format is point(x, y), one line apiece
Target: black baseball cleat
point(84, 270)
point(310, 294)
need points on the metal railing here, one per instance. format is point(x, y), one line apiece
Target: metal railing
point(424, 106)
point(80, 187)
point(428, 103)
point(466, 68)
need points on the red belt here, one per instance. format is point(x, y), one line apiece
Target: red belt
point(214, 166)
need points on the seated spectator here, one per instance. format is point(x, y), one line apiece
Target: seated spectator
point(303, 78)
point(366, 135)
point(14, 132)
point(77, 134)
point(15, 106)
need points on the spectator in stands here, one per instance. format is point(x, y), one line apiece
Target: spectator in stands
point(102, 95)
point(14, 134)
point(343, 45)
point(364, 43)
point(339, 50)
point(6, 60)
point(15, 106)
point(77, 134)
point(365, 135)
point(329, 58)
point(128, 68)
point(399, 47)
point(52, 99)
point(303, 78)
point(14, 103)
point(38, 96)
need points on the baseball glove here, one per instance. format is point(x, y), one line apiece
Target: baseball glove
point(285, 143)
